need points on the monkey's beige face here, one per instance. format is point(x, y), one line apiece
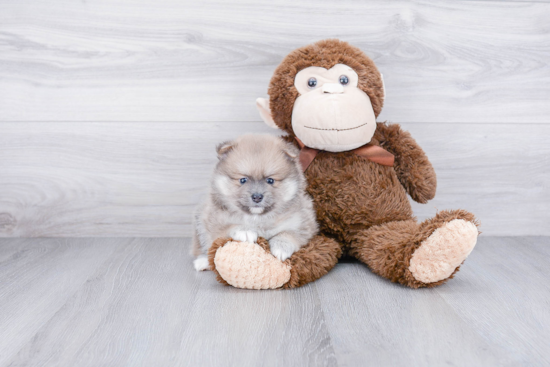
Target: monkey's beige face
point(332, 113)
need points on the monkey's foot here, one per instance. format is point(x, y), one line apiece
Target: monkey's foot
point(247, 265)
point(443, 251)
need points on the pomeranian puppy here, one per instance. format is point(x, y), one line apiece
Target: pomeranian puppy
point(257, 190)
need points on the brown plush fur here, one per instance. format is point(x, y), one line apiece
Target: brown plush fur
point(365, 207)
point(313, 261)
point(388, 248)
point(360, 204)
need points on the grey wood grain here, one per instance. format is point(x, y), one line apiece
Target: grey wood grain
point(147, 306)
point(138, 302)
point(173, 60)
point(495, 311)
point(144, 179)
point(261, 328)
point(500, 173)
point(132, 311)
point(510, 305)
point(37, 278)
point(371, 319)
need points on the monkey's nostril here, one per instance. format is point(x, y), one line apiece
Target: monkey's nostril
point(332, 88)
point(257, 198)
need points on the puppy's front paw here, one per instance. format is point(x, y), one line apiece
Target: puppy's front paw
point(201, 263)
point(245, 236)
point(282, 249)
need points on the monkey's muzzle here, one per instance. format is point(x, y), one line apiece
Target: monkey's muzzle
point(334, 120)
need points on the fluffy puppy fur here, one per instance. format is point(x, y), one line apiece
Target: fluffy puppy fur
point(257, 190)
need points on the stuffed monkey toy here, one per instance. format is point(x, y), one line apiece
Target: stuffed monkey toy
point(326, 97)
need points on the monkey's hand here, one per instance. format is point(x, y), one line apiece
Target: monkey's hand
point(413, 169)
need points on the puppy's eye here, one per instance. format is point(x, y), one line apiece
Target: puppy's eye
point(312, 82)
point(344, 80)
point(270, 181)
point(243, 180)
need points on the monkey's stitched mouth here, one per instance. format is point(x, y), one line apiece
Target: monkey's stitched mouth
point(351, 128)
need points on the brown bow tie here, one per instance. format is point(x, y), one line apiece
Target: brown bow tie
point(373, 153)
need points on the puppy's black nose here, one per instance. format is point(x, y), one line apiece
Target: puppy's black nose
point(257, 198)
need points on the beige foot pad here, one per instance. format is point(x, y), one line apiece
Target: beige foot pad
point(247, 265)
point(440, 254)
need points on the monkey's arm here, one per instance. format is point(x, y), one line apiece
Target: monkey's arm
point(414, 170)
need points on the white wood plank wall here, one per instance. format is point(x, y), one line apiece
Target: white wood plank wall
point(110, 110)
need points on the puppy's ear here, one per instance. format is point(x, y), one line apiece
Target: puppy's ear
point(223, 148)
point(290, 150)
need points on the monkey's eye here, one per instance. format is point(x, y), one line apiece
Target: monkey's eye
point(243, 180)
point(312, 82)
point(344, 80)
point(270, 181)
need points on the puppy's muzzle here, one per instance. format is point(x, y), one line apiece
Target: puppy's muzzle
point(257, 198)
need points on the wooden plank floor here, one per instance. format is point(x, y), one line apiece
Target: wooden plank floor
point(138, 302)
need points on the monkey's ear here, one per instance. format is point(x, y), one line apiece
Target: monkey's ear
point(265, 112)
point(223, 148)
